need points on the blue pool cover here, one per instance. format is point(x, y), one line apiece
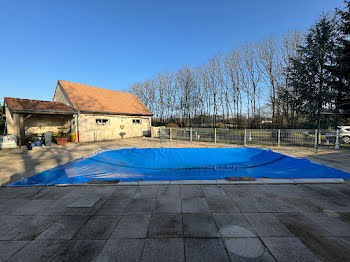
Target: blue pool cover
point(154, 164)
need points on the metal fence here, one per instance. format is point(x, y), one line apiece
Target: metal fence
point(278, 137)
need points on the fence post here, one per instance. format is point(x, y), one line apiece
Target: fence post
point(316, 136)
point(170, 133)
point(337, 140)
point(214, 135)
point(245, 137)
point(279, 137)
point(191, 134)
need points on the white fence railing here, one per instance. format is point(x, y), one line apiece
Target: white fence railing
point(305, 137)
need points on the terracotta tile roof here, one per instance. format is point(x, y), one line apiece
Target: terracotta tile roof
point(95, 99)
point(36, 106)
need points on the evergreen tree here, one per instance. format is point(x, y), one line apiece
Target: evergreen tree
point(342, 67)
point(310, 79)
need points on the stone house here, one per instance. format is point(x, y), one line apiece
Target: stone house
point(89, 113)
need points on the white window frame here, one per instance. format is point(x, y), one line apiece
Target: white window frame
point(102, 121)
point(136, 121)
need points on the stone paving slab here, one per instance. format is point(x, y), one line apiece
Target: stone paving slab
point(55, 193)
point(30, 229)
point(218, 200)
point(289, 249)
point(84, 210)
point(199, 225)
point(271, 201)
point(301, 225)
point(80, 250)
point(10, 222)
point(98, 227)
point(6, 193)
point(167, 205)
point(65, 228)
point(345, 240)
point(245, 202)
point(32, 208)
point(113, 207)
point(123, 192)
point(11, 205)
point(128, 250)
point(165, 225)
point(332, 222)
point(86, 201)
point(266, 224)
point(9, 248)
point(342, 188)
point(39, 250)
point(247, 249)
point(333, 204)
point(327, 248)
point(132, 226)
point(147, 192)
point(205, 250)
point(195, 205)
point(30, 192)
point(169, 191)
point(233, 225)
point(191, 191)
point(140, 206)
point(303, 204)
point(163, 249)
point(326, 191)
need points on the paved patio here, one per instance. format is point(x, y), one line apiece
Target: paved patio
point(176, 223)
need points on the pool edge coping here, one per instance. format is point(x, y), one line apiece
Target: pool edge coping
point(259, 181)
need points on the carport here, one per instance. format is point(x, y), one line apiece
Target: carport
point(25, 116)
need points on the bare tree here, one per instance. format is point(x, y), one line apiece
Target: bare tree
point(233, 69)
point(271, 68)
point(250, 76)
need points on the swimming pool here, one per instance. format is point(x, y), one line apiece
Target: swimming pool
point(157, 164)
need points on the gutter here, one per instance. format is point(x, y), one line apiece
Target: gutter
point(14, 110)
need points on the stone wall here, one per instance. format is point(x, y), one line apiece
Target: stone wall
point(60, 96)
point(90, 131)
point(37, 124)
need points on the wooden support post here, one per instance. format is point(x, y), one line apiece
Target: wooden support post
point(279, 137)
point(22, 135)
point(191, 134)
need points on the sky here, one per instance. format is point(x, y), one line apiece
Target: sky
point(112, 44)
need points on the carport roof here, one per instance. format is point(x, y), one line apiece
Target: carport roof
point(19, 105)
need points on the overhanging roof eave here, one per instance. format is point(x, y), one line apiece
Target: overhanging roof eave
point(115, 113)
